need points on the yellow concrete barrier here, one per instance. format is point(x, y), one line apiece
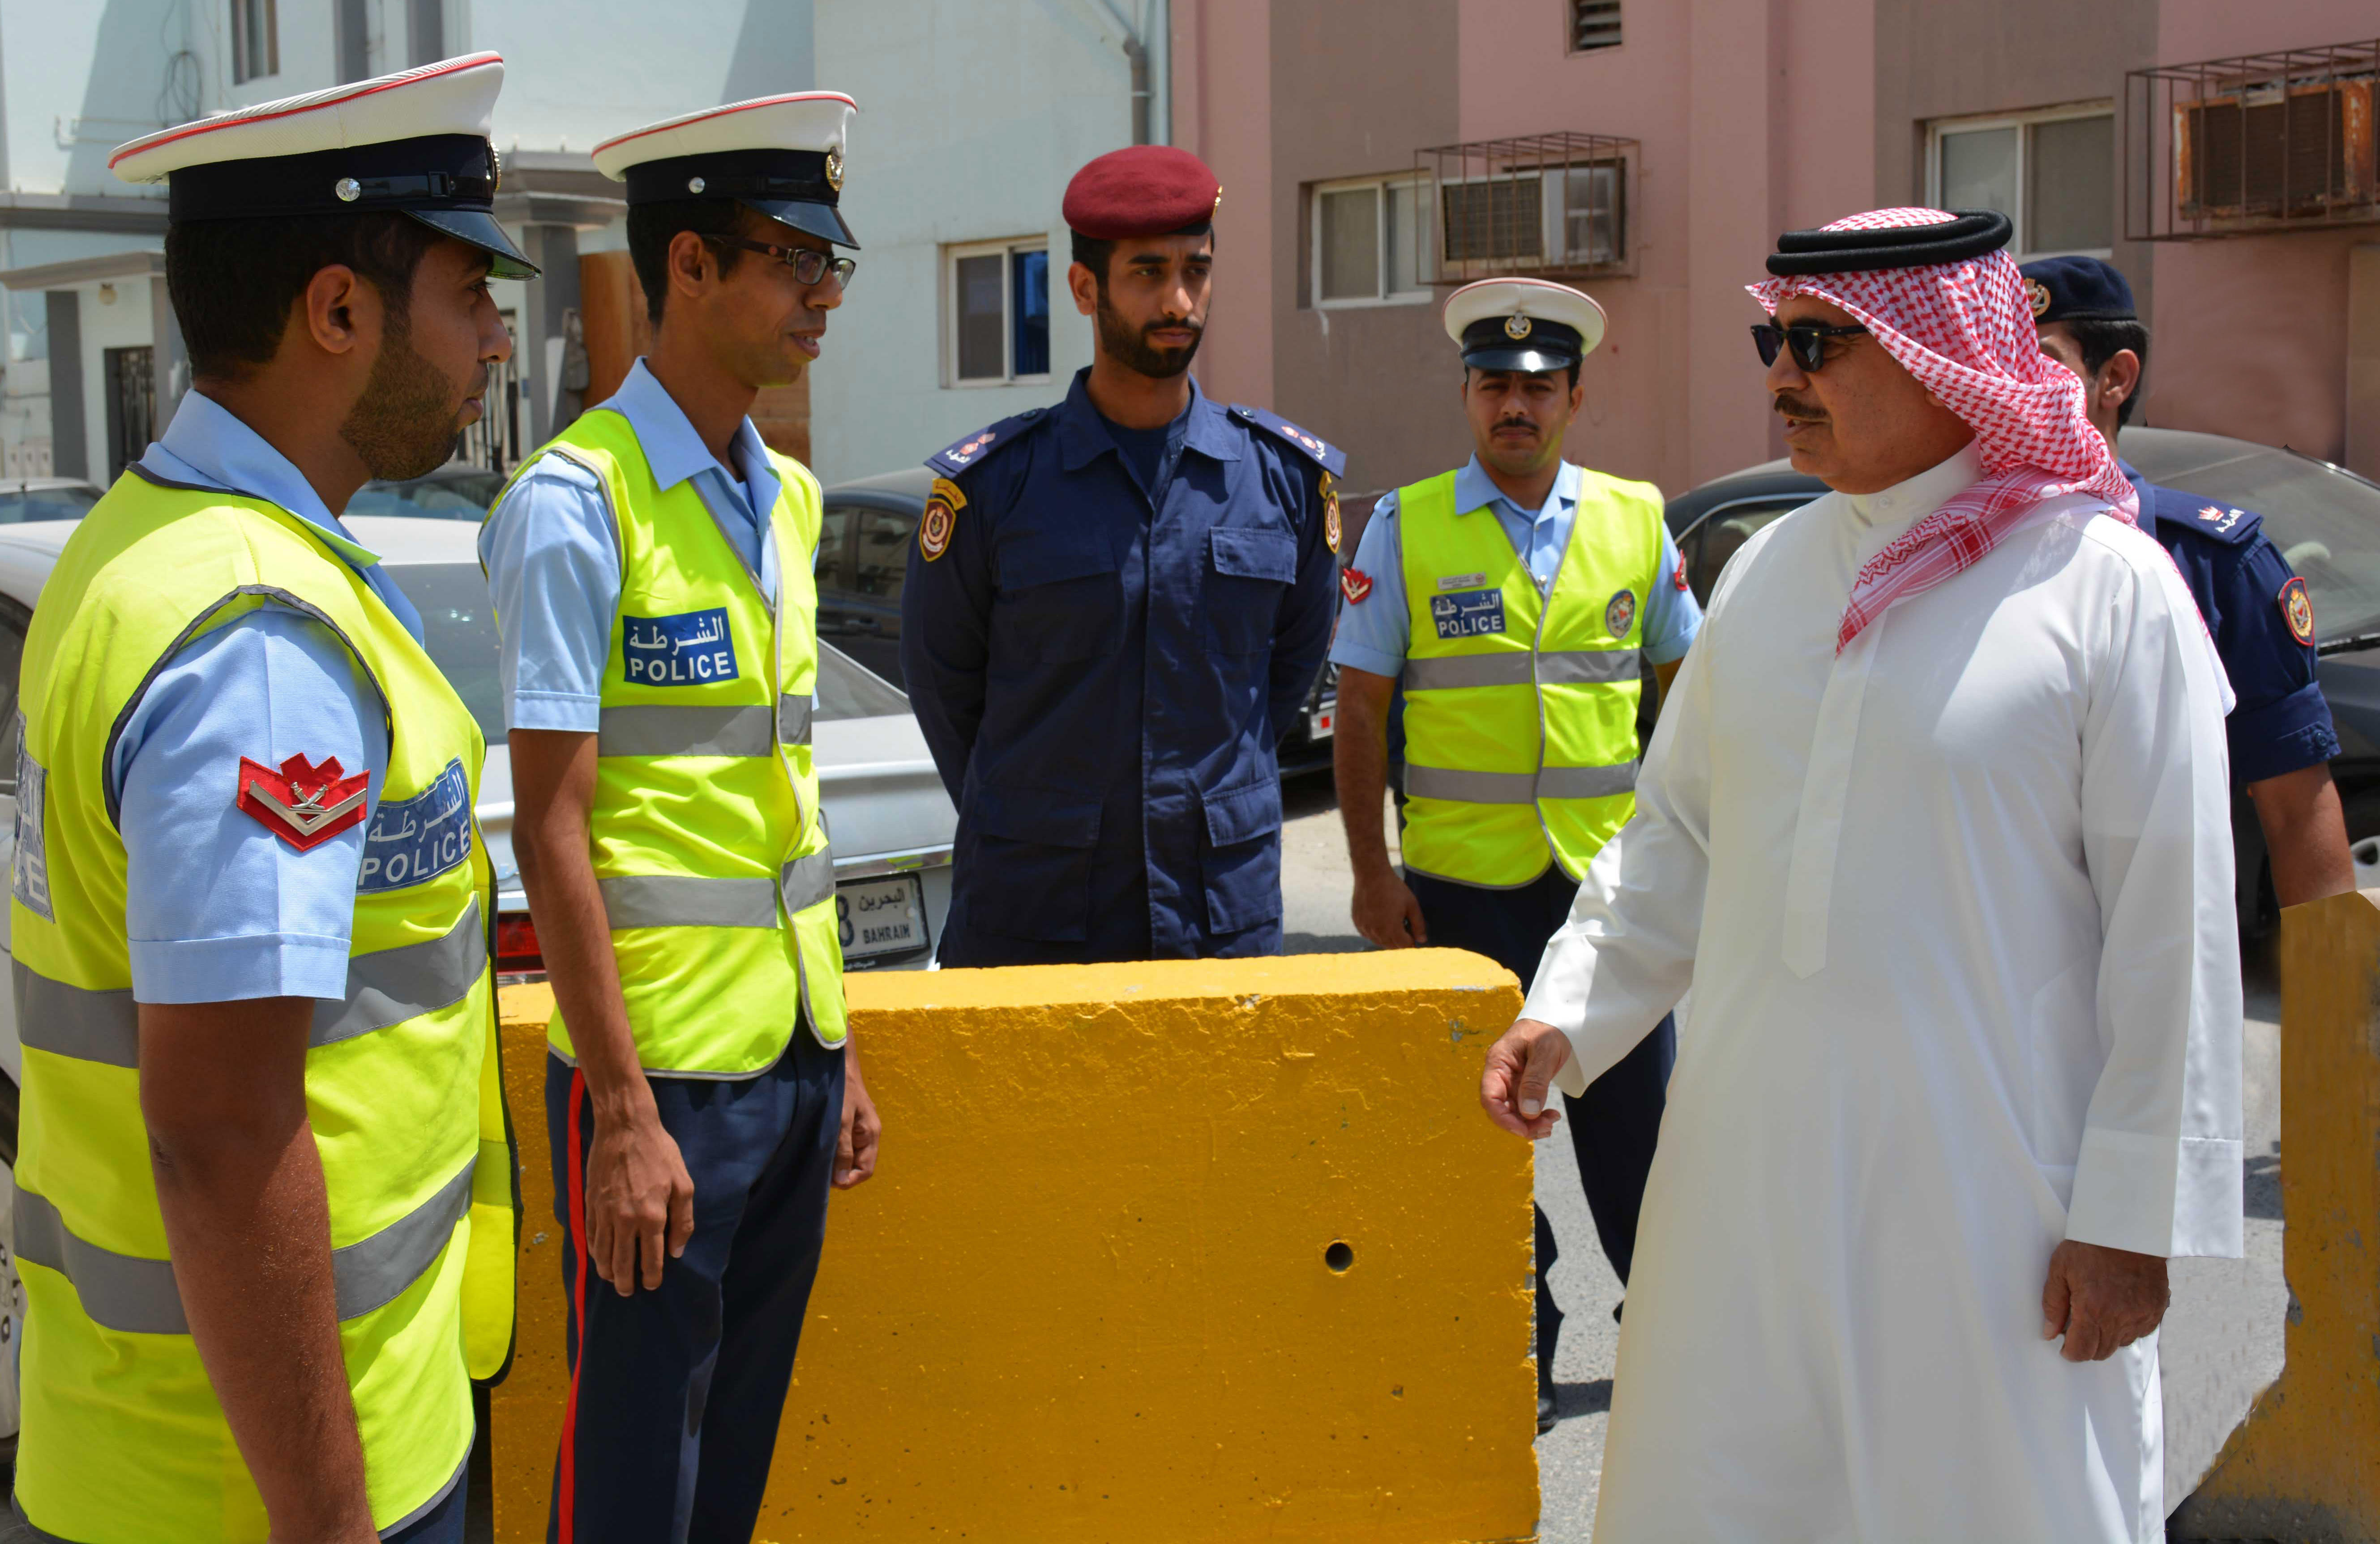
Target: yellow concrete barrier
point(2305, 1465)
point(1175, 1253)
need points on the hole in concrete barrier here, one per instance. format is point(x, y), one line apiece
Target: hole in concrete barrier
point(1340, 1256)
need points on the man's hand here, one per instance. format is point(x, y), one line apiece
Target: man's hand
point(1385, 911)
point(855, 1151)
point(1516, 1088)
point(2101, 1299)
point(639, 1198)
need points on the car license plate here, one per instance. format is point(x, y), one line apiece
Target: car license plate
point(1318, 722)
point(881, 917)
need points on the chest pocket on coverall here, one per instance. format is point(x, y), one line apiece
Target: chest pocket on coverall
point(1252, 570)
point(1059, 601)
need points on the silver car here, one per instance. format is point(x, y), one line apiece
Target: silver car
point(887, 814)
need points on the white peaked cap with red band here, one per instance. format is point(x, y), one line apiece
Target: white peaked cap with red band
point(415, 143)
point(781, 155)
point(1529, 325)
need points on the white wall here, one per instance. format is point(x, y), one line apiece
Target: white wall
point(577, 72)
point(973, 115)
point(125, 323)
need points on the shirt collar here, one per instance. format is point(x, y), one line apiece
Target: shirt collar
point(1910, 500)
point(671, 448)
point(207, 443)
point(1083, 434)
point(1474, 488)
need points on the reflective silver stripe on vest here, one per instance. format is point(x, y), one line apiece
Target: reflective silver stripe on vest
point(1586, 782)
point(1554, 668)
point(649, 729)
point(382, 988)
point(809, 880)
point(679, 901)
point(88, 1026)
point(1470, 788)
point(139, 1296)
point(1568, 667)
point(1552, 782)
point(396, 984)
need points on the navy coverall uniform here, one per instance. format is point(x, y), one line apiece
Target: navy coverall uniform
point(1105, 635)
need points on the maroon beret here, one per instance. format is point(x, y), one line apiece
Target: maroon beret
point(1146, 190)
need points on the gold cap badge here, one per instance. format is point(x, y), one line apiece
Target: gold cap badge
point(835, 167)
point(1518, 327)
point(2038, 294)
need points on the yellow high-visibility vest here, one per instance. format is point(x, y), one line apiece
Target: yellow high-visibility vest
point(1521, 708)
point(123, 1438)
point(710, 848)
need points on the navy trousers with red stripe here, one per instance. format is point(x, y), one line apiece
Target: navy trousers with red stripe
point(675, 1393)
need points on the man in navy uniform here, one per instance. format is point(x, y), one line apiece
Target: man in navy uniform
point(2254, 604)
point(1114, 611)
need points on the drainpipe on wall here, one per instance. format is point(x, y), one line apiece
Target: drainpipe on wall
point(1135, 53)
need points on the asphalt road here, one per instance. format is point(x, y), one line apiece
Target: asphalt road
point(2221, 1342)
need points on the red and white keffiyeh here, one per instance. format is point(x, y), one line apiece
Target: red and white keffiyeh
point(1966, 332)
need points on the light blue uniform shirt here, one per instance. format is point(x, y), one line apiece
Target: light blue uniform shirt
point(219, 908)
point(1375, 632)
point(554, 560)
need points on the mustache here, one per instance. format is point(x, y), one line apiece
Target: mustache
point(1793, 407)
point(1515, 423)
point(1175, 325)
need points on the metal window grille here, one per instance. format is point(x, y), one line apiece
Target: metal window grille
point(255, 39)
point(2259, 143)
point(1546, 204)
point(131, 406)
point(1594, 24)
point(494, 441)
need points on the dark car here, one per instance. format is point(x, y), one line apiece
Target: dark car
point(864, 555)
point(2324, 519)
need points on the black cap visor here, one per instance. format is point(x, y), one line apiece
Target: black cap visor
point(821, 220)
point(1520, 357)
point(481, 230)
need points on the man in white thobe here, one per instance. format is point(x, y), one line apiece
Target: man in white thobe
point(1936, 826)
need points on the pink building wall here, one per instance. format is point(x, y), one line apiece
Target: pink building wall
point(2250, 335)
point(1222, 112)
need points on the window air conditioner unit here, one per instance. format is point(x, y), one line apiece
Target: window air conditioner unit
point(2278, 148)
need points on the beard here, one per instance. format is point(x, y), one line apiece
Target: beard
point(406, 423)
point(1129, 345)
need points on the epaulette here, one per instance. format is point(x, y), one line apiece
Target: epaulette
point(1326, 455)
point(2218, 522)
point(958, 458)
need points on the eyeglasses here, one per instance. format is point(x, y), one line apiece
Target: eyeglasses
point(810, 265)
point(1806, 339)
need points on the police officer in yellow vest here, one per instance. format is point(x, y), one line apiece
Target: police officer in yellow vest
point(264, 1203)
point(653, 574)
point(1513, 601)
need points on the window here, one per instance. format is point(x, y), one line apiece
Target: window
point(2052, 174)
point(1000, 312)
point(255, 39)
point(1594, 24)
point(1371, 244)
point(863, 557)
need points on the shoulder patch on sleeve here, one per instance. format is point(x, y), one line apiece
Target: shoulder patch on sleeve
point(1325, 454)
point(956, 458)
point(2297, 610)
point(304, 803)
point(940, 519)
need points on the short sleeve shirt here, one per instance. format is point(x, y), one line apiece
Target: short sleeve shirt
point(1375, 624)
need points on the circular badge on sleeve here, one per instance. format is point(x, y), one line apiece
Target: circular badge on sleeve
point(1330, 527)
point(1621, 615)
point(942, 506)
point(2297, 610)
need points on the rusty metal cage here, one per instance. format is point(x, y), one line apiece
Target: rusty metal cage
point(1548, 204)
point(2251, 145)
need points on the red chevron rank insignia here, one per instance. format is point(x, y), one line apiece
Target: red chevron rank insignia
point(304, 804)
point(1354, 584)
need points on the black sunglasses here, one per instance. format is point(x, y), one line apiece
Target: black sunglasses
point(810, 265)
point(1806, 339)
